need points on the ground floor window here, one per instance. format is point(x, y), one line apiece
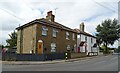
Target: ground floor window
point(74, 48)
point(68, 47)
point(82, 47)
point(53, 47)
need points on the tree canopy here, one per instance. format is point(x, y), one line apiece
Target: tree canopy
point(12, 42)
point(108, 32)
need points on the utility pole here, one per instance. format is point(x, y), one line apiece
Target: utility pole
point(55, 10)
point(42, 12)
point(119, 21)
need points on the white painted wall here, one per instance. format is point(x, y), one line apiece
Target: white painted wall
point(82, 37)
point(90, 44)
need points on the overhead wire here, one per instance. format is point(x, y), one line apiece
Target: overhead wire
point(11, 14)
point(104, 6)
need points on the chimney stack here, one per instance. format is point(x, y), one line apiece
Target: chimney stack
point(50, 16)
point(82, 26)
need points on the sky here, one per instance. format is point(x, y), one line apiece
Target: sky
point(67, 12)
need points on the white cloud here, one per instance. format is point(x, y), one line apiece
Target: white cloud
point(69, 13)
point(115, 45)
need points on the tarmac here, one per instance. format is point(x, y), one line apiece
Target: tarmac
point(45, 62)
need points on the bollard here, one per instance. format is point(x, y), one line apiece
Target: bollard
point(66, 55)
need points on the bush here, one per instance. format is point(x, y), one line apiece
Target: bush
point(118, 49)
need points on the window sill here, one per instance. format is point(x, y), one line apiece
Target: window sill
point(67, 39)
point(44, 35)
point(54, 37)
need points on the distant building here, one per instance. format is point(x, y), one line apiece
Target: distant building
point(44, 36)
point(86, 42)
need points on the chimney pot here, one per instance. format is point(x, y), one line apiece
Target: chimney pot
point(82, 26)
point(50, 16)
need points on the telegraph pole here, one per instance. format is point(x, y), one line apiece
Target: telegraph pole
point(55, 10)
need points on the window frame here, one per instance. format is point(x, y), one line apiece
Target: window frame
point(67, 35)
point(91, 40)
point(86, 39)
point(73, 36)
point(54, 32)
point(53, 47)
point(68, 47)
point(44, 30)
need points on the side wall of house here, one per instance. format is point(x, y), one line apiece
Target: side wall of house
point(28, 40)
point(18, 41)
point(95, 49)
point(89, 44)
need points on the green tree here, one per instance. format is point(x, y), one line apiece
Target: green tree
point(1, 47)
point(118, 49)
point(108, 32)
point(99, 41)
point(12, 42)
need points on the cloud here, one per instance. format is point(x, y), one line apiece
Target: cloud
point(67, 12)
point(4, 36)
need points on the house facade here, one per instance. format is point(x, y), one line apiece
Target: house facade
point(86, 42)
point(44, 36)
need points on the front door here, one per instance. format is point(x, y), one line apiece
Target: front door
point(40, 48)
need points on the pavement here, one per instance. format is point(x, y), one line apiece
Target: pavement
point(45, 62)
point(97, 63)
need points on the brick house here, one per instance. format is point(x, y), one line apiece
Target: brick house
point(44, 36)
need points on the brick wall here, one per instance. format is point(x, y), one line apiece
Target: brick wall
point(60, 40)
point(28, 39)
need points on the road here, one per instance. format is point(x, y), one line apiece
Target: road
point(103, 63)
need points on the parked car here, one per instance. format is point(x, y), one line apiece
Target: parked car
point(115, 53)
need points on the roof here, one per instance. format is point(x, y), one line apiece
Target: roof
point(84, 33)
point(48, 23)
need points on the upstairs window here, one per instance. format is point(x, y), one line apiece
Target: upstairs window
point(44, 30)
point(54, 32)
point(67, 35)
point(91, 40)
point(86, 38)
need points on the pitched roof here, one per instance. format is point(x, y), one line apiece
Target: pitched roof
point(48, 23)
point(84, 33)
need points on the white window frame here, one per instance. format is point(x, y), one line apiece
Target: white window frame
point(44, 30)
point(86, 38)
point(75, 47)
point(53, 47)
point(91, 40)
point(67, 35)
point(68, 47)
point(54, 32)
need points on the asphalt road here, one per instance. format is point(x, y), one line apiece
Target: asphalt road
point(103, 63)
